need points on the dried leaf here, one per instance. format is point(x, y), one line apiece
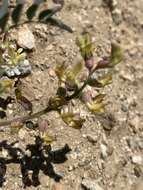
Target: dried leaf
point(116, 54)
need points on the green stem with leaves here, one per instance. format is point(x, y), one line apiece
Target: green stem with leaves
point(47, 109)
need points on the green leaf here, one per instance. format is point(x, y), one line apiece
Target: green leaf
point(1, 57)
point(105, 80)
point(72, 119)
point(56, 102)
point(4, 14)
point(116, 54)
point(17, 12)
point(60, 24)
point(5, 85)
point(31, 11)
point(15, 56)
point(48, 13)
point(85, 44)
point(60, 71)
point(62, 92)
point(97, 105)
point(48, 139)
point(72, 74)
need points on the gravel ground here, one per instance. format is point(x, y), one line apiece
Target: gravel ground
point(107, 153)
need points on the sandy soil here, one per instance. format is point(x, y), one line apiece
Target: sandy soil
point(120, 130)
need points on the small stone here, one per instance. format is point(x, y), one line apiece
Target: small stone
point(124, 108)
point(25, 38)
point(25, 67)
point(137, 159)
point(5, 153)
point(117, 16)
point(21, 69)
point(137, 171)
point(104, 153)
point(127, 76)
point(92, 138)
point(70, 168)
point(135, 123)
point(22, 134)
point(90, 184)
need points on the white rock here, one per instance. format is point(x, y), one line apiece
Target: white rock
point(22, 134)
point(104, 152)
point(25, 38)
point(4, 153)
point(91, 184)
point(137, 159)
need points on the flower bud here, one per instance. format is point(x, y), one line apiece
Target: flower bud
point(89, 63)
point(103, 63)
point(87, 96)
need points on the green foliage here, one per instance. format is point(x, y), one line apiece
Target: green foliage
point(13, 56)
point(5, 85)
point(45, 16)
point(69, 86)
point(4, 14)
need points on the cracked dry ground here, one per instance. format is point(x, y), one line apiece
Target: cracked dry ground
point(108, 150)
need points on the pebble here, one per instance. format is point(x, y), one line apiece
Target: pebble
point(137, 159)
point(104, 152)
point(21, 69)
point(127, 76)
point(135, 123)
point(92, 138)
point(137, 171)
point(22, 134)
point(90, 184)
point(25, 38)
point(117, 16)
point(135, 143)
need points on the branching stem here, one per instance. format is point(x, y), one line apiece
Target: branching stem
point(47, 109)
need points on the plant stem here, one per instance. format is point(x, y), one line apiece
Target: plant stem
point(48, 109)
point(76, 93)
point(26, 117)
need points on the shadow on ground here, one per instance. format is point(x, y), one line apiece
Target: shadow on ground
point(36, 157)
